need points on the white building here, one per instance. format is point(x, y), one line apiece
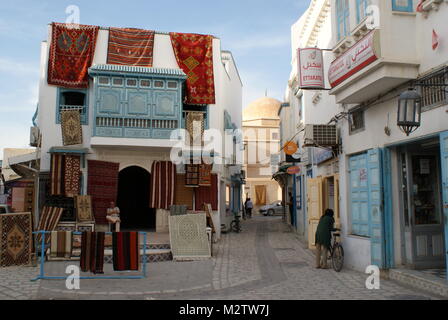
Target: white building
point(394, 196)
point(109, 135)
point(316, 185)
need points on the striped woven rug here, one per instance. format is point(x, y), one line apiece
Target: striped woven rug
point(133, 47)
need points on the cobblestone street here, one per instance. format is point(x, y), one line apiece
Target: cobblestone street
point(266, 261)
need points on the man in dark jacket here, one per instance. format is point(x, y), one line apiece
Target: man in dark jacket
point(323, 238)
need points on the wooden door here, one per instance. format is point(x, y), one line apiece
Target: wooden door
point(314, 207)
point(337, 214)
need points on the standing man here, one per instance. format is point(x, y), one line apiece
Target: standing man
point(291, 207)
point(323, 238)
point(249, 205)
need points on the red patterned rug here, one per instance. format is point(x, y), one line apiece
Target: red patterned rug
point(207, 195)
point(133, 47)
point(71, 55)
point(102, 185)
point(15, 239)
point(194, 54)
point(72, 175)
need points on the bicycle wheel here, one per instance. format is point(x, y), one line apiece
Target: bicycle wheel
point(337, 258)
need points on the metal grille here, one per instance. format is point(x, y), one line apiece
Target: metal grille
point(320, 135)
point(432, 91)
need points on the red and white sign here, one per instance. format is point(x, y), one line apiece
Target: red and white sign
point(293, 170)
point(311, 68)
point(360, 55)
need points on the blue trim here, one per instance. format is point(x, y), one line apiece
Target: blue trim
point(376, 208)
point(342, 19)
point(388, 209)
point(408, 8)
point(358, 7)
point(35, 115)
point(444, 162)
point(85, 111)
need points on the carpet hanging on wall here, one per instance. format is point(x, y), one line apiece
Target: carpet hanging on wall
point(92, 252)
point(125, 251)
point(57, 174)
point(132, 47)
point(71, 54)
point(207, 195)
point(83, 208)
point(194, 55)
point(71, 127)
point(72, 175)
point(15, 239)
point(194, 124)
point(102, 186)
point(205, 175)
point(163, 179)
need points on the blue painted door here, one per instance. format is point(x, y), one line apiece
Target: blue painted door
point(359, 195)
point(376, 212)
point(444, 161)
point(388, 211)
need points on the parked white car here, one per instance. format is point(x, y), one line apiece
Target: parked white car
point(275, 208)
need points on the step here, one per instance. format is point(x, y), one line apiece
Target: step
point(420, 280)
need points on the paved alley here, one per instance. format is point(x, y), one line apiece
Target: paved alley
point(266, 261)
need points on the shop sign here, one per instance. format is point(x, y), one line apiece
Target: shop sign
point(290, 148)
point(360, 55)
point(311, 68)
point(293, 170)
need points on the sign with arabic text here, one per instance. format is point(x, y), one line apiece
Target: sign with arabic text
point(359, 56)
point(311, 68)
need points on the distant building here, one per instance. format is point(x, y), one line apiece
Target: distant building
point(261, 134)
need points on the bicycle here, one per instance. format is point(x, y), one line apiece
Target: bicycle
point(235, 225)
point(336, 252)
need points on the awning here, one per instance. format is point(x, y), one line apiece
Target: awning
point(68, 150)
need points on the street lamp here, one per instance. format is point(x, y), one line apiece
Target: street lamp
point(409, 111)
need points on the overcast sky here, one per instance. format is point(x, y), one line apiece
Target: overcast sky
point(256, 31)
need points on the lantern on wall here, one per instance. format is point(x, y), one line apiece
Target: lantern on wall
point(409, 111)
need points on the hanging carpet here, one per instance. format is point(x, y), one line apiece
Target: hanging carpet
point(205, 175)
point(61, 244)
point(71, 127)
point(194, 55)
point(49, 219)
point(57, 176)
point(207, 194)
point(132, 47)
point(83, 209)
point(195, 128)
point(125, 250)
point(72, 175)
point(15, 239)
point(92, 252)
point(102, 185)
point(71, 55)
point(191, 175)
point(163, 179)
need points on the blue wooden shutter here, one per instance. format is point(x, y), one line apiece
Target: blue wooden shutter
point(444, 161)
point(359, 196)
point(377, 247)
point(388, 211)
point(398, 6)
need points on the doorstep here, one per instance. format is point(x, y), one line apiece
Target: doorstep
point(420, 280)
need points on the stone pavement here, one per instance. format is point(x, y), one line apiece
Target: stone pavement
point(266, 261)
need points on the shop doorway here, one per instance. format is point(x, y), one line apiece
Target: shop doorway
point(133, 199)
point(421, 204)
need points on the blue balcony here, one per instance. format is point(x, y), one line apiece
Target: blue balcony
point(136, 102)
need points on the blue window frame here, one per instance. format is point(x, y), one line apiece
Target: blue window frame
point(361, 8)
point(73, 99)
point(342, 18)
point(403, 5)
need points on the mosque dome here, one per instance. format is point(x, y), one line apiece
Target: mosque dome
point(262, 108)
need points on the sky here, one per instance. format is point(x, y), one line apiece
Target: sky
point(257, 33)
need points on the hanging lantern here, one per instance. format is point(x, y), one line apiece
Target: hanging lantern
point(409, 111)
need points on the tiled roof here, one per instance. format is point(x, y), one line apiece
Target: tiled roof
point(107, 68)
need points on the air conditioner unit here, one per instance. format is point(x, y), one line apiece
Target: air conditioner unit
point(34, 136)
point(324, 135)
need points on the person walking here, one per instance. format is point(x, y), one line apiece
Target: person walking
point(249, 206)
point(323, 238)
